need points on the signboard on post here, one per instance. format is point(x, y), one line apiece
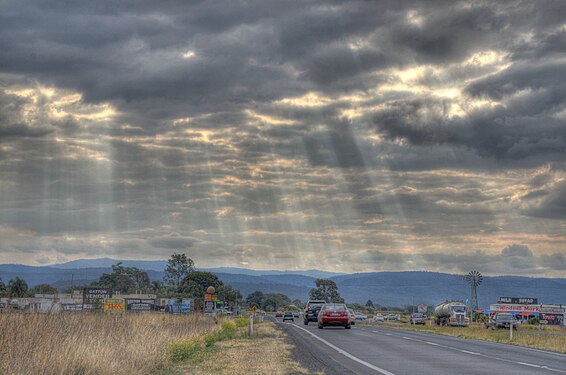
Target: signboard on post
point(140, 304)
point(421, 308)
point(93, 298)
point(209, 307)
point(178, 306)
point(114, 305)
point(92, 294)
point(519, 301)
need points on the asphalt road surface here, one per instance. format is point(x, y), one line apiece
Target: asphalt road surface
point(381, 350)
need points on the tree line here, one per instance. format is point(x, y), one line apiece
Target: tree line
point(180, 280)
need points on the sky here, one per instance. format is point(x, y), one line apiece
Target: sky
point(347, 136)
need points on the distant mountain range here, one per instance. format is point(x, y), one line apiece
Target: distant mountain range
point(384, 288)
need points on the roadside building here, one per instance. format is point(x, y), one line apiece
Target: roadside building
point(526, 308)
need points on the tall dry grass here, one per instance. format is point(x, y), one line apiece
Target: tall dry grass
point(82, 344)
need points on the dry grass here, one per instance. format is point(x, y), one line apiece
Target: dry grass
point(82, 344)
point(550, 338)
point(266, 353)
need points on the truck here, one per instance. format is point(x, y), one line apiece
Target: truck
point(451, 313)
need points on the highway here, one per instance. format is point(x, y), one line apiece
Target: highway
point(387, 351)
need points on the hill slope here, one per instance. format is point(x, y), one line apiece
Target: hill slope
point(384, 288)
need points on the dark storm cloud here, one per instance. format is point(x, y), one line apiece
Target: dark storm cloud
point(274, 132)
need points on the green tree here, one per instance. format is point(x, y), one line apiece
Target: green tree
point(326, 290)
point(231, 295)
point(3, 290)
point(42, 289)
point(178, 268)
point(124, 279)
point(275, 300)
point(17, 288)
point(255, 298)
point(369, 303)
point(298, 303)
point(196, 282)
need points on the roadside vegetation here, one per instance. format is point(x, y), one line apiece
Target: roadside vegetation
point(266, 353)
point(545, 338)
point(82, 344)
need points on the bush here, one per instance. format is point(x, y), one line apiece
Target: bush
point(534, 320)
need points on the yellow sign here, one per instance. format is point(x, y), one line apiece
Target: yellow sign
point(254, 308)
point(114, 305)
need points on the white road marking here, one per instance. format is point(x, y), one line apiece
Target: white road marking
point(341, 351)
point(528, 364)
point(408, 338)
point(443, 346)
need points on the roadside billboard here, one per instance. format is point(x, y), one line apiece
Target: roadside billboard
point(140, 304)
point(93, 295)
point(177, 306)
point(114, 305)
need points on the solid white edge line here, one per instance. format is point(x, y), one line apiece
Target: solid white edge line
point(341, 351)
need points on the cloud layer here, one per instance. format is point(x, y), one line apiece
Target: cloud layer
point(349, 136)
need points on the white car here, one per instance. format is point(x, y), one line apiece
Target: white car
point(378, 319)
point(360, 316)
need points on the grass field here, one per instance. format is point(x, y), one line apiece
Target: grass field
point(82, 344)
point(548, 338)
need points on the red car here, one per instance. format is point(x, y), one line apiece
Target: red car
point(278, 314)
point(334, 314)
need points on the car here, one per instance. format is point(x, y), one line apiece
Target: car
point(417, 318)
point(296, 314)
point(392, 317)
point(311, 311)
point(378, 318)
point(352, 316)
point(334, 314)
point(288, 316)
point(501, 320)
point(278, 314)
point(360, 316)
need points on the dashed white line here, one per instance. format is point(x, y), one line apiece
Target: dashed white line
point(341, 351)
point(528, 364)
point(468, 352)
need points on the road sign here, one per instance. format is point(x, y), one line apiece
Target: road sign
point(209, 307)
point(254, 308)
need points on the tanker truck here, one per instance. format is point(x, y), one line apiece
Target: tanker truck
point(452, 313)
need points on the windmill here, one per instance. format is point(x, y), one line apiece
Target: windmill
point(474, 278)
